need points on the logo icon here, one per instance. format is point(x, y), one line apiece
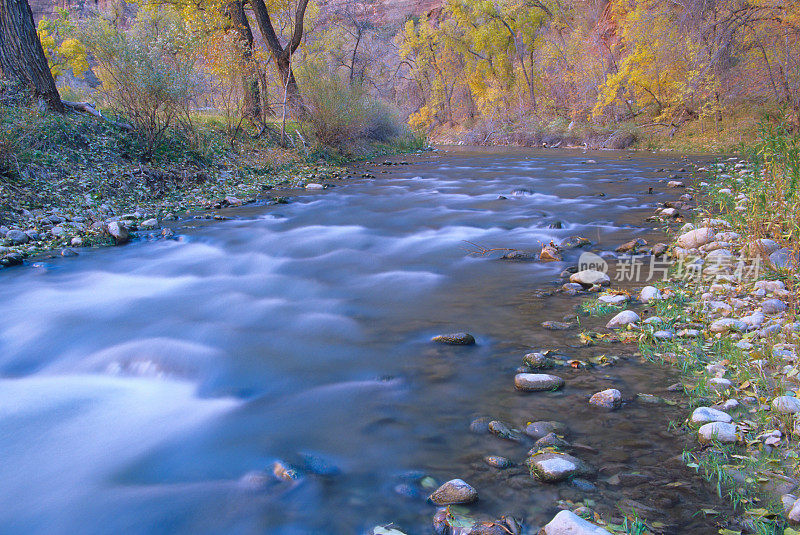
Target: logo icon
point(592, 261)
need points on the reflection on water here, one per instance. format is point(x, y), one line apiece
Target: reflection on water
point(144, 386)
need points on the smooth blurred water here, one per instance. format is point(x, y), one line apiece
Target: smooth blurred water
point(141, 383)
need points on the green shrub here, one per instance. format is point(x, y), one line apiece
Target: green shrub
point(148, 75)
point(340, 113)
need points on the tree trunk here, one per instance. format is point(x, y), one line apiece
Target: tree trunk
point(21, 56)
point(283, 55)
point(251, 94)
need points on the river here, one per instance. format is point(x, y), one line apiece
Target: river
point(143, 386)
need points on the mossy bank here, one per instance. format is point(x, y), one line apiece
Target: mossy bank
point(69, 181)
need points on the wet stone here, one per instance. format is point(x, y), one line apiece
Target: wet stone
point(480, 425)
point(568, 523)
point(455, 339)
point(554, 467)
point(538, 361)
point(536, 382)
point(538, 430)
point(496, 461)
point(455, 491)
point(501, 430)
point(550, 440)
point(607, 399)
point(557, 325)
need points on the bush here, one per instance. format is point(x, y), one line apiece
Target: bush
point(340, 113)
point(148, 75)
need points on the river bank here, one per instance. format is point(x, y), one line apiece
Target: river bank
point(70, 182)
point(725, 314)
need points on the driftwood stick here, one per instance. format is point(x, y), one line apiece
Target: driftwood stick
point(85, 107)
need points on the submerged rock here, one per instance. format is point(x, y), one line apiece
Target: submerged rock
point(455, 491)
point(540, 429)
point(607, 399)
point(557, 325)
point(553, 467)
point(536, 382)
point(537, 361)
point(496, 461)
point(455, 339)
point(550, 440)
point(568, 523)
point(498, 428)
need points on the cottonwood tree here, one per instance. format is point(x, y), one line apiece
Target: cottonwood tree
point(21, 55)
point(282, 54)
point(250, 80)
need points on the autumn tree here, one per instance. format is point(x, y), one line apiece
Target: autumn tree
point(21, 55)
point(250, 79)
point(282, 53)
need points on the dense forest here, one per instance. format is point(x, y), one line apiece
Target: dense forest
point(346, 68)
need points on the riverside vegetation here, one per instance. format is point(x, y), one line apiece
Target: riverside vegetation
point(727, 318)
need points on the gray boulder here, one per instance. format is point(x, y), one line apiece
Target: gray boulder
point(537, 382)
point(553, 467)
point(626, 317)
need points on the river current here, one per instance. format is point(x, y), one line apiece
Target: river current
point(149, 388)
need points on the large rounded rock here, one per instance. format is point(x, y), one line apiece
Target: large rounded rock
point(704, 415)
point(607, 399)
point(118, 231)
point(538, 361)
point(649, 293)
point(786, 404)
point(454, 492)
point(719, 431)
point(536, 382)
point(781, 259)
point(773, 306)
point(553, 467)
point(696, 238)
point(455, 339)
point(568, 523)
point(763, 247)
point(17, 237)
point(589, 277)
point(624, 318)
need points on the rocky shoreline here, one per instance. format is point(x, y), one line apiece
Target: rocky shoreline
point(95, 221)
point(731, 330)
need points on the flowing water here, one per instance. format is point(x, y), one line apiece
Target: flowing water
point(141, 384)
